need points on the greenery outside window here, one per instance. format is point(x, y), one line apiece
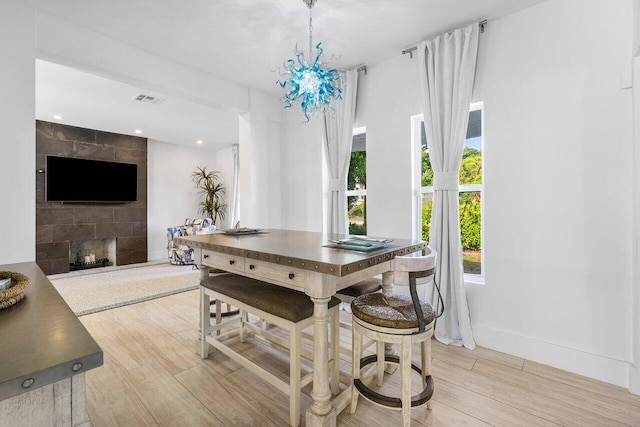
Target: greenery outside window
point(471, 189)
point(357, 184)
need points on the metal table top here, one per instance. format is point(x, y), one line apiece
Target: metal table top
point(301, 249)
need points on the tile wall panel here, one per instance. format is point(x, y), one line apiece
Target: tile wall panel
point(57, 224)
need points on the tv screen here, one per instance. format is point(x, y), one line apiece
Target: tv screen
point(82, 180)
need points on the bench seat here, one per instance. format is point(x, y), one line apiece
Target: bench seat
point(285, 303)
point(289, 309)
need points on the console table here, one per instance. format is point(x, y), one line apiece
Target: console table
point(44, 353)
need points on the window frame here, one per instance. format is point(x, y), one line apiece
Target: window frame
point(419, 190)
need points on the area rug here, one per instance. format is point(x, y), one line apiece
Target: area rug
point(91, 293)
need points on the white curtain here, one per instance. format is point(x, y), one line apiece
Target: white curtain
point(338, 136)
point(447, 70)
point(234, 199)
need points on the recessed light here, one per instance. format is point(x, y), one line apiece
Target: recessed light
point(138, 131)
point(58, 117)
point(199, 141)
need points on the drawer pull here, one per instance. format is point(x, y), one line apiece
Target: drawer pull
point(206, 256)
point(232, 262)
point(251, 267)
point(291, 276)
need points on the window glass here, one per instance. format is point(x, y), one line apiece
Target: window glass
point(357, 186)
point(357, 215)
point(470, 200)
point(471, 231)
point(471, 165)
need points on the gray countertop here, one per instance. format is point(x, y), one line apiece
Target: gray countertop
point(40, 338)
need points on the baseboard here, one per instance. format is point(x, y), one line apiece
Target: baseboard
point(568, 359)
point(634, 380)
point(157, 255)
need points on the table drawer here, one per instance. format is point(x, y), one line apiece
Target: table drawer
point(222, 261)
point(289, 276)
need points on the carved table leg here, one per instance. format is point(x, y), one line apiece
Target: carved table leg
point(321, 413)
point(202, 347)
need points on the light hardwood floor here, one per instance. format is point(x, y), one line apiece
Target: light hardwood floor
point(151, 376)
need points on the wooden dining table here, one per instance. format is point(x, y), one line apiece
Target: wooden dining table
point(305, 261)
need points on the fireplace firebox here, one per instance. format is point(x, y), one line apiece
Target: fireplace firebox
point(85, 254)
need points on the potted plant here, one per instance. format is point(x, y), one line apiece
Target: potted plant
point(210, 187)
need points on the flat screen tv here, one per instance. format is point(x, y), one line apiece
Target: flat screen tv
point(90, 181)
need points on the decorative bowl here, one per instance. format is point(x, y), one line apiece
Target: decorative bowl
point(16, 292)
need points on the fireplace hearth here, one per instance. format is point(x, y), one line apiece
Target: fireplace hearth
point(101, 262)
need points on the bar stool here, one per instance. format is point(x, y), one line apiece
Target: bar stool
point(396, 319)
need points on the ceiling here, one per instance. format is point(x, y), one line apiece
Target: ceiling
point(93, 102)
point(244, 41)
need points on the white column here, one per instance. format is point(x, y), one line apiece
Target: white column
point(634, 370)
point(17, 121)
point(260, 162)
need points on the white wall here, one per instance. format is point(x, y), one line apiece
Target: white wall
point(558, 175)
point(558, 182)
point(636, 26)
point(301, 172)
point(172, 195)
point(17, 121)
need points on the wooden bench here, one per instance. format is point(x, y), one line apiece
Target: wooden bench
point(290, 310)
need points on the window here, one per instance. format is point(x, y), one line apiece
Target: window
point(471, 188)
point(357, 184)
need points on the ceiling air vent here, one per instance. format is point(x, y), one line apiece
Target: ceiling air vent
point(148, 99)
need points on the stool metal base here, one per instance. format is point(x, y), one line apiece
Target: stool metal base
point(393, 402)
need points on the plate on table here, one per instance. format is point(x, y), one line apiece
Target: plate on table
point(243, 231)
point(363, 244)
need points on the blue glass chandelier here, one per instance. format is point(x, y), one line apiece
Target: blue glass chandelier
point(315, 87)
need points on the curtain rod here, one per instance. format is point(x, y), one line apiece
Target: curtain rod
point(410, 50)
point(360, 68)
